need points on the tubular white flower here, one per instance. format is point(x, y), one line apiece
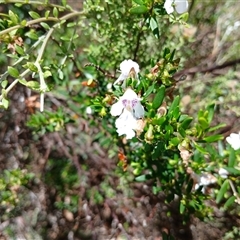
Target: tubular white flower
point(180, 6)
point(126, 124)
point(131, 102)
point(234, 140)
point(129, 109)
point(127, 67)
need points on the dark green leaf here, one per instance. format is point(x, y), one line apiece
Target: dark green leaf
point(210, 109)
point(174, 104)
point(232, 158)
point(13, 72)
point(149, 91)
point(213, 138)
point(186, 122)
point(139, 9)
point(229, 202)
point(222, 191)
point(158, 99)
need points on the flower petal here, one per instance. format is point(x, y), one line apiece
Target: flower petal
point(181, 6)
point(116, 108)
point(138, 110)
point(168, 6)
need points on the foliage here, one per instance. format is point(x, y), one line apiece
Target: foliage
point(72, 56)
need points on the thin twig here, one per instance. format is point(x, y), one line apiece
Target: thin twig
point(200, 69)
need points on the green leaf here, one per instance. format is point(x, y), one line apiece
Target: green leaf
point(216, 127)
point(149, 91)
point(45, 25)
point(213, 138)
point(13, 72)
point(222, 191)
point(201, 149)
point(47, 14)
point(232, 170)
point(184, 16)
point(174, 104)
point(175, 141)
point(154, 27)
point(139, 2)
point(34, 15)
point(4, 83)
point(55, 12)
point(186, 122)
point(182, 207)
point(141, 178)
point(229, 202)
point(31, 66)
point(232, 158)
point(32, 35)
point(19, 49)
point(34, 85)
point(13, 17)
point(64, 3)
point(158, 99)
point(71, 24)
point(5, 103)
point(210, 109)
point(23, 81)
point(139, 9)
point(47, 74)
point(203, 123)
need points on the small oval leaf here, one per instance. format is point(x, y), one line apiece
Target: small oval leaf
point(157, 101)
point(139, 9)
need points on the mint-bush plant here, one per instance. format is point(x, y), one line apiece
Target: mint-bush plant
point(75, 55)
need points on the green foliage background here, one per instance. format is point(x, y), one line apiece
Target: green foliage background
point(70, 57)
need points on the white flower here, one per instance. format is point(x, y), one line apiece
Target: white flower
point(89, 110)
point(223, 173)
point(234, 140)
point(129, 109)
point(130, 101)
point(126, 124)
point(180, 6)
point(204, 180)
point(127, 68)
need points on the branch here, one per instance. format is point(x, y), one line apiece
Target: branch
point(39, 57)
point(200, 69)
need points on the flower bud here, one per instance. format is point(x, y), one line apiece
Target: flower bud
point(103, 112)
point(149, 134)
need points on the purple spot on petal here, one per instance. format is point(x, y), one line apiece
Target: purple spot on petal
point(134, 103)
point(124, 102)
